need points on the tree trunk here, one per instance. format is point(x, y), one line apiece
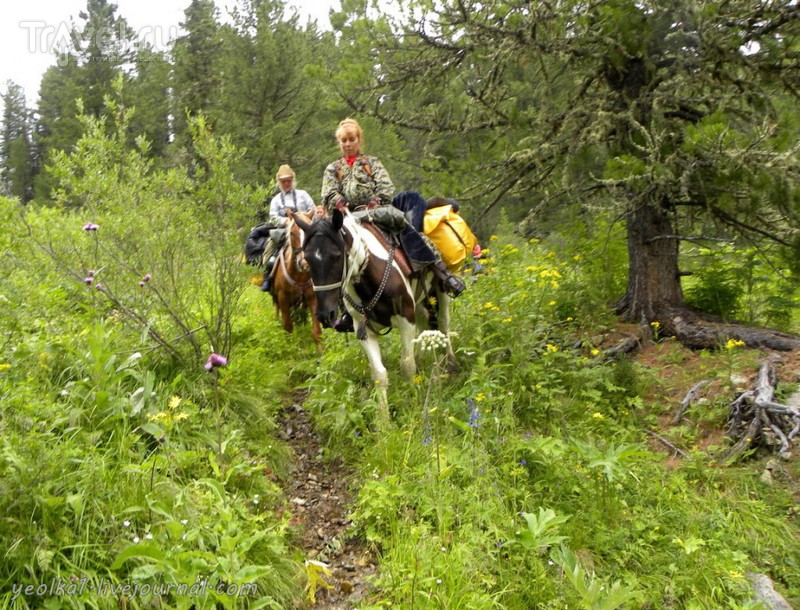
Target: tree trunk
point(653, 282)
point(654, 291)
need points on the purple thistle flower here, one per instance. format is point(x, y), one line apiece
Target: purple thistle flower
point(90, 273)
point(215, 360)
point(141, 284)
point(99, 286)
point(90, 226)
point(147, 277)
point(87, 280)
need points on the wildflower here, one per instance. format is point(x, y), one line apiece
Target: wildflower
point(147, 277)
point(493, 238)
point(148, 536)
point(733, 343)
point(507, 320)
point(126, 523)
point(136, 539)
point(215, 360)
point(430, 340)
point(90, 273)
point(87, 280)
point(90, 226)
point(595, 351)
point(99, 286)
point(427, 438)
point(184, 521)
point(432, 301)
point(175, 402)
point(552, 303)
point(474, 414)
point(416, 379)
point(141, 284)
point(551, 348)
point(480, 396)
point(598, 415)
point(523, 462)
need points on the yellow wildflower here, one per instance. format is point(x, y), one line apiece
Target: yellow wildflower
point(733, 343)
point(175, 402)
point(480, 396)
point(551, 348)
point(595, 351)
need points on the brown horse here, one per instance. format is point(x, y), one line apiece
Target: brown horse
point(292, 286)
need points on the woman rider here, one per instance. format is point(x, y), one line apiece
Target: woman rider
point(357, 180)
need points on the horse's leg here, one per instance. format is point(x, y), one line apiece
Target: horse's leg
point(379, 375)
point(443, 304)
point(316, 329)
point(285, 305)
point(408, 332)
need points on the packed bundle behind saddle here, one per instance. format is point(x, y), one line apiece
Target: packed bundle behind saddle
point(449, 232)
point(257, 241)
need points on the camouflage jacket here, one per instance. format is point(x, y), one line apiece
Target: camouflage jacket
point(367, 180)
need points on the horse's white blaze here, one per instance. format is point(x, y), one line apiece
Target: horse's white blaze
point(317, 254)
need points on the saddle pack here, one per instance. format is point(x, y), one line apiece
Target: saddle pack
point(450, 233)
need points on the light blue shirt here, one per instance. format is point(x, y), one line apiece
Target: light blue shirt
point(295, 200)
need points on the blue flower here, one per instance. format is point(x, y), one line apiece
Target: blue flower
point(474, 414)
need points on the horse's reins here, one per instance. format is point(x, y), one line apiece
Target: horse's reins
point(292, 282)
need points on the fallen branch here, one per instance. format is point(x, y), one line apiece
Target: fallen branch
point(690, 397)
point(667, 444)
point(755, 419)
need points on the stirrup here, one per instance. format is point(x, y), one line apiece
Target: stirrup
point(265, 287)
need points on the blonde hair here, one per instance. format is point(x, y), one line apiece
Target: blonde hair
point(349, 124)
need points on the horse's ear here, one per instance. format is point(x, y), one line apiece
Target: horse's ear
point(337, 220)
point(301, 222)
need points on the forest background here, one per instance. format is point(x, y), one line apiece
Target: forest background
point(623, 161)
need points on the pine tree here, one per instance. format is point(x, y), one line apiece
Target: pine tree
point(16, 159)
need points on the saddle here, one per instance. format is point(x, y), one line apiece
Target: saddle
point(387, 242)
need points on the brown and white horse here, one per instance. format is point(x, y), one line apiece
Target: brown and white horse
point(292, 287)
point(350, 264)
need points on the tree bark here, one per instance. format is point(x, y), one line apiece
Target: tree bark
point(653, 280)
point(654, 291)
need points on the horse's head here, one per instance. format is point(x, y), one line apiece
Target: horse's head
point(296, 237)
point(326, 255)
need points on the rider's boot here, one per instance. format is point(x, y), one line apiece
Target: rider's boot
point(267, 285)
point(452, 284)
point(344, 324)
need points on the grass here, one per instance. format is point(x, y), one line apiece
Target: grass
point(527, 480)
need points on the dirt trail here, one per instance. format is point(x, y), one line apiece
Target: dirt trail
point(320, 498)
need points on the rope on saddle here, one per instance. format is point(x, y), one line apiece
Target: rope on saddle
point(361, 331)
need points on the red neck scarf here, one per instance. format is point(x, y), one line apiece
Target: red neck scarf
point(351, 160)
